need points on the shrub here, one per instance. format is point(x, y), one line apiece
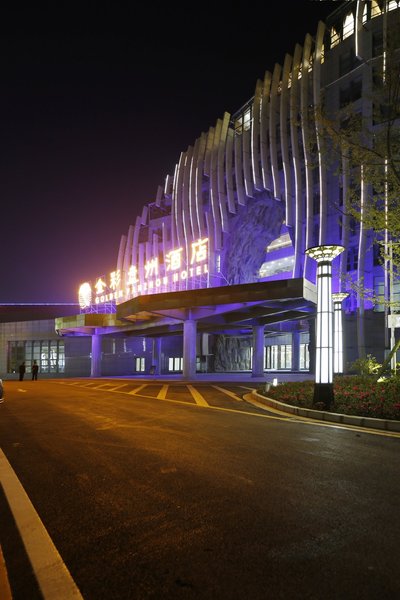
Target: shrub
point(365, 366)
point(353, 395)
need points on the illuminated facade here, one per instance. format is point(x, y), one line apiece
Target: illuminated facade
point(216, 257)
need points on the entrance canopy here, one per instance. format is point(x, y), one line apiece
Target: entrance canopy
point(226, 309)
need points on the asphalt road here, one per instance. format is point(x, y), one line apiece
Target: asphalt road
point(172, 492)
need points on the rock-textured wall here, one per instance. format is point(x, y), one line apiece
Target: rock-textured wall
point(232, 353)
point(251, 230)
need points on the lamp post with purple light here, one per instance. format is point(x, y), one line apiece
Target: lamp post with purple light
point(338, 331)
point(323, 387)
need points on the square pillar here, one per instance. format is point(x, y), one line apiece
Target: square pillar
point(296, 351)
point(156, 357)
point(95, 363)
point(257, 369)
point(189, 348)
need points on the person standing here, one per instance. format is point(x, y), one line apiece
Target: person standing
point(21, 371)
point(35, 369)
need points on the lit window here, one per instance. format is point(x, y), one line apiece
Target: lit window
point(140, 364)
point(348, 26)
point(365, 14)
point(175, 363)
point(304, 357)
point(247, 120)
point(335, 38)
point(375, 9)
point(300, 72)
point(273, 267)
point(278, 357)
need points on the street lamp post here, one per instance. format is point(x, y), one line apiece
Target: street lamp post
point(323, 387)
point(338, 331)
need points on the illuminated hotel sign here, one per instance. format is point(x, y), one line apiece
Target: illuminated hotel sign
point(152, 278)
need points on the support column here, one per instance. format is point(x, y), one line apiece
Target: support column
point(258, 351)
point(156, 358)
point(95, 363)
point(296, 351)
point(189, 349)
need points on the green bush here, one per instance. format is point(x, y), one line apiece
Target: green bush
point(365, 366)
point(353, 395)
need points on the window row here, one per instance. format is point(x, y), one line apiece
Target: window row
point(49, 355)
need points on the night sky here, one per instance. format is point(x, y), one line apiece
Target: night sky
point(96, 105)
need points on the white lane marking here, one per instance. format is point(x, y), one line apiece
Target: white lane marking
point(5, 590)
point(136, 390)
point(51, 573)
point(228, 393)
point(162, 394)
point(198, 398)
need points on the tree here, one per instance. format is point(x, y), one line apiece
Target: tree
point(367, 145)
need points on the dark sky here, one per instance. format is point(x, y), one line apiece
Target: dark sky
point(96, 105)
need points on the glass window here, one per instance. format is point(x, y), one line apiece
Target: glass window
point(347, 62)
point(335, 38)
point(50, 355)
point(175, 363)
point(61, 357)
point(351, 93)
point(278, 357)
point(304, 357)
point(348, 26)
point(140, 364)
point(178, 364)
point(375, 9)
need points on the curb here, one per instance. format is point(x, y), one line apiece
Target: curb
point(321, 415)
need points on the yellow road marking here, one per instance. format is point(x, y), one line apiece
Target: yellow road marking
point(162, 394)
point(228, 393)
point(103, 386)
point(117, 387)
point(286, 417)
point(198, 398)
point(133, 392)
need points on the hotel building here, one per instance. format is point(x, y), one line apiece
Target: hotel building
point(213, 275)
